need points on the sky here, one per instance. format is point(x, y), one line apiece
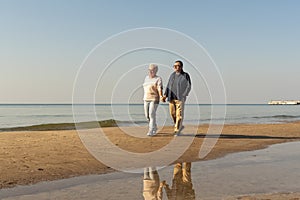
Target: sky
point(255, 46)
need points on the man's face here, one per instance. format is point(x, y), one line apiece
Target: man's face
point(177, 67)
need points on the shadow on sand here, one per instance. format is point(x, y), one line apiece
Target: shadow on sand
point(227, 136)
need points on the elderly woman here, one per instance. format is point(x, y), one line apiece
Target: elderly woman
point(152, 94)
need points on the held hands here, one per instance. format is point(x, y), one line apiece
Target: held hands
point(163, 98)
point(163, 184)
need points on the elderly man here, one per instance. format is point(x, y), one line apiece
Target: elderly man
point(178, 88)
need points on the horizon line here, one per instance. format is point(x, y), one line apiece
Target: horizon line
point(128, 103)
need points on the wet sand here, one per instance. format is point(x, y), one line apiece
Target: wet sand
point(276, 196)
point(28, 157)
point(270, 173)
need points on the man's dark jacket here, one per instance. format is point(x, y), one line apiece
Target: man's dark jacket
point(183, 86)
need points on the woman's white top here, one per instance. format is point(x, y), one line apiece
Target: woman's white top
point(151, 88)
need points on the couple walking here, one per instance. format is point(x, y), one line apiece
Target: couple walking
point(178, 88)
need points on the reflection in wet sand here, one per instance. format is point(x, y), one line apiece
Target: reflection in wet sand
point(272, 170)
point(182, 187)
point(152, 186)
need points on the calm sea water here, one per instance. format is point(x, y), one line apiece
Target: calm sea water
point(34, 114)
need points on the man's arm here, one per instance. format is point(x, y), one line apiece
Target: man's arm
point(189, 85)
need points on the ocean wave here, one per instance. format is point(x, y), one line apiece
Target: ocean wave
point(45, 116)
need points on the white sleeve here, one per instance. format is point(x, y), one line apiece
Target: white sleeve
point(159, 83)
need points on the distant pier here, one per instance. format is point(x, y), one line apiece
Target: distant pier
point(284, 102)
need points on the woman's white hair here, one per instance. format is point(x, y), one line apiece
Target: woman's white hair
point(153, 66)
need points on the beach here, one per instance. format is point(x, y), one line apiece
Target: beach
point(28, 157)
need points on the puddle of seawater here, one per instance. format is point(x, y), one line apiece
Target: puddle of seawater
point(271, 170)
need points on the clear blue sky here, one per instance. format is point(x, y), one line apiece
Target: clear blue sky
point(255, 44)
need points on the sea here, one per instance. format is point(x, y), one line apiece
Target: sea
point(24, 115)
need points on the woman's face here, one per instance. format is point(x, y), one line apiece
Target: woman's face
point(152, 72)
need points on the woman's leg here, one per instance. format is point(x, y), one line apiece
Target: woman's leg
point(146, 110)
point(153, 174)
point(152, 114)
point(146, 173)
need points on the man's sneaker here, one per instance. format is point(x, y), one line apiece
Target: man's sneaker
point(149, 133)
point(176, 132)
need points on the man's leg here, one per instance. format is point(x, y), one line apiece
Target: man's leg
point(177, 181)
point(177, 172)
point(179, 114)
point(189, 192)
point(172, 109)
point(186, 172)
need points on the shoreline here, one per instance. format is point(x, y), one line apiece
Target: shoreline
point(63, 126)
point(104, 124)
point(29, 157)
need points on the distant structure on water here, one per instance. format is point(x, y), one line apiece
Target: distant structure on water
point(284, 102)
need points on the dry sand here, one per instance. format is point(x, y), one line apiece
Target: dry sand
point(28, 157)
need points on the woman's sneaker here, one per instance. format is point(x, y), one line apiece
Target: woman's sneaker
point(152, 133)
